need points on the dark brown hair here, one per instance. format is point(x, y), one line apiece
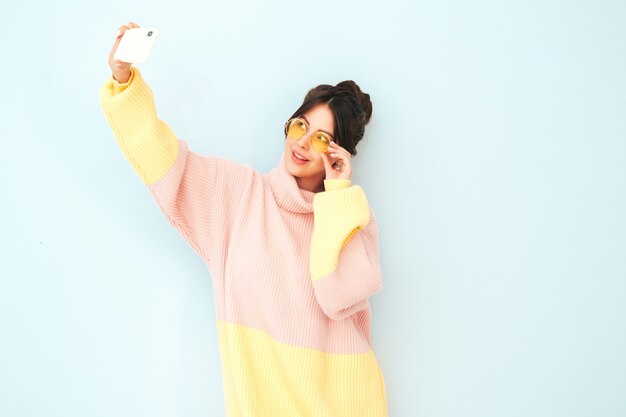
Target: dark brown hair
point(351, 110)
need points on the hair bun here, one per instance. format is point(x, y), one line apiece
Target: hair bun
point(350, 88)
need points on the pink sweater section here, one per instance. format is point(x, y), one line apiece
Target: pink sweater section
point(253, 231)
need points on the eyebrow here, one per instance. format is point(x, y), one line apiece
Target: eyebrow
point(332, 136)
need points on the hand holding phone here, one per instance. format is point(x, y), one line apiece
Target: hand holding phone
point(135, 45)
point(120, 70)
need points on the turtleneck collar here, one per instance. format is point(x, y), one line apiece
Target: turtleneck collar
point(286, 191)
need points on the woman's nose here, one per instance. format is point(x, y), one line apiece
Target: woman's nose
point(305, 141)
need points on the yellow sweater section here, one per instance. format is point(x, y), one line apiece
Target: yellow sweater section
point(147, 142)
point(266, 378)
point(339, 213)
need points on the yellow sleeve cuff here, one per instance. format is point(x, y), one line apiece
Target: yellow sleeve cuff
point(147, 142)
point(118, 87)
point(338, 215)
point(336, 184)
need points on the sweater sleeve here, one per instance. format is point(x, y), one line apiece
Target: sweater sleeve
point(344, 258)
point(199, 195)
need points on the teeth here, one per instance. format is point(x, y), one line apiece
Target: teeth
point(299, 157)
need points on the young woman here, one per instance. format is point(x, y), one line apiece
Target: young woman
point(292, 253)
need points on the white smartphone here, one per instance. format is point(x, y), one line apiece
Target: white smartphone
point(136, 45)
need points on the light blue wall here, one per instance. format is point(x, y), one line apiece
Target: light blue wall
point(495, 162)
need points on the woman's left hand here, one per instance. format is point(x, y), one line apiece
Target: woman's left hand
point(340, 168)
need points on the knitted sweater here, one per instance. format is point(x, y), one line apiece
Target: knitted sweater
point(291, 270)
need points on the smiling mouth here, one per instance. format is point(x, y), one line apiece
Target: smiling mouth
point(299, 157)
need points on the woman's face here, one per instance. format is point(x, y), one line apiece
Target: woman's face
point(309, 172)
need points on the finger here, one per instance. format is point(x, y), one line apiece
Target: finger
point(326, 161)
point(339, 149)
point(335, 145)
point(341, 167)
point(120, 31)
point(124, 28)
point(344, 158)
point(343, 155)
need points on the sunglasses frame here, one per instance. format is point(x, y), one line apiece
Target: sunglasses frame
point(314, 144)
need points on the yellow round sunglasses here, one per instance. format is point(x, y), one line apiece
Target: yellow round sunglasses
point(297, 127)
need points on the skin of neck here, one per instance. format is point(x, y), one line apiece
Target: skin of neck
point(314, 184)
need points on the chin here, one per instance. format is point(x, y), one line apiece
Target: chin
point(296, 171)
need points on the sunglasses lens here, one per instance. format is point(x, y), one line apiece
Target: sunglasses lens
point(296, 129)
point(320, 142)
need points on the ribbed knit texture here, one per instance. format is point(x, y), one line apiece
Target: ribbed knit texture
point(291, 270)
